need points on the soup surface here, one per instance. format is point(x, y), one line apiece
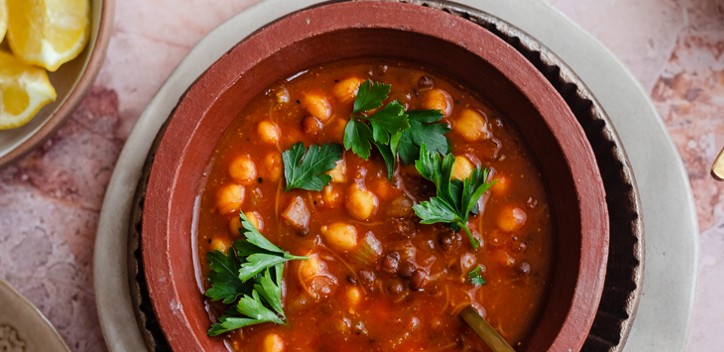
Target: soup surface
point(375, 278)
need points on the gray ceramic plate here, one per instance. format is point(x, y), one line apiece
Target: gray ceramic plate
point(23, 327)
point(668, 207)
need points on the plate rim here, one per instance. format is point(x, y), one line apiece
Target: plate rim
point(116, 210)
point(37, 315)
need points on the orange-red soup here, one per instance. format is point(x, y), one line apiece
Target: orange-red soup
point(406, 298)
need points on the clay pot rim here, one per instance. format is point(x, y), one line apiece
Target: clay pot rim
point(224, 73)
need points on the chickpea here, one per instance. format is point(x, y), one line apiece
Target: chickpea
point(471, 125)
point(511, 218)
point(219, 243)
point(339, 173)
point(360, 202)
point(311, 267)
point(336, 128)
point(242, 170)
point(316, 280)
point(501, 186)
point(340, 236)
point(354, 296)
point(268, 132)
point(384, 188)
point(317, 106)
point(273, 343)
point(235, 226)
point(273, 166)
point(331, 196)
point(462, 168)
point(311, 125)
point(229, 198)
point(255, 219)
point(346, 90)
point(438, 99)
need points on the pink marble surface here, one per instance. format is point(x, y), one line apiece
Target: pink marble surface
point(50, 200)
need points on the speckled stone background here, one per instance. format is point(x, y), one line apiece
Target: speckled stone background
point(50, 200)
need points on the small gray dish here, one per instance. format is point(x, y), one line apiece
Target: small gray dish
point(23, 327)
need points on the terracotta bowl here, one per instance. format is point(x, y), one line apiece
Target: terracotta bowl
point(468, 54)
point(71, 82)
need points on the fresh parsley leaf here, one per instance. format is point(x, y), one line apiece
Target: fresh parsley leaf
point(258, 262)
point(230, 323)
point(370, 95)
point(237, 277)
point(425, 116)
point(244, 249)
point(270, 288)
point(388, 121)
point(436, 210)
point(267, 255)
point(388, 156)
point(254, 308)
point(254, 237)
point(474, 187)
point(423, 130)
point(358, 137)
point(225, 285)
point(385, 125)
point(475, 277)
point(391, 129)
point(454, 199)
point(253, 312)
point(305, 169)
point(429, 165)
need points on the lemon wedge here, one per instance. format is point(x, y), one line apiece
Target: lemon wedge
point(24, 90)
point(48, 33)
point(3, 19)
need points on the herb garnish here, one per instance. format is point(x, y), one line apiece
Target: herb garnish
point(250, 275)
point(370, 95)
point(475, 277)
point(391, 129)
point(386, 124)
point(455, 199)
point(306, 169)
point(423, 130)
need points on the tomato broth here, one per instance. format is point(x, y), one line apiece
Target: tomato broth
point(398, 285)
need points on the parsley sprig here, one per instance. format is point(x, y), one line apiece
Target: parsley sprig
point(250, 277)
point(391, 129)
point(454, 199)
point(384, 128)
point(424, 130)
point(306, 169)
point(475, 277)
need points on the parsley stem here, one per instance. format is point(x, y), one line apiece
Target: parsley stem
point(295, 257)
point(474, 242)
